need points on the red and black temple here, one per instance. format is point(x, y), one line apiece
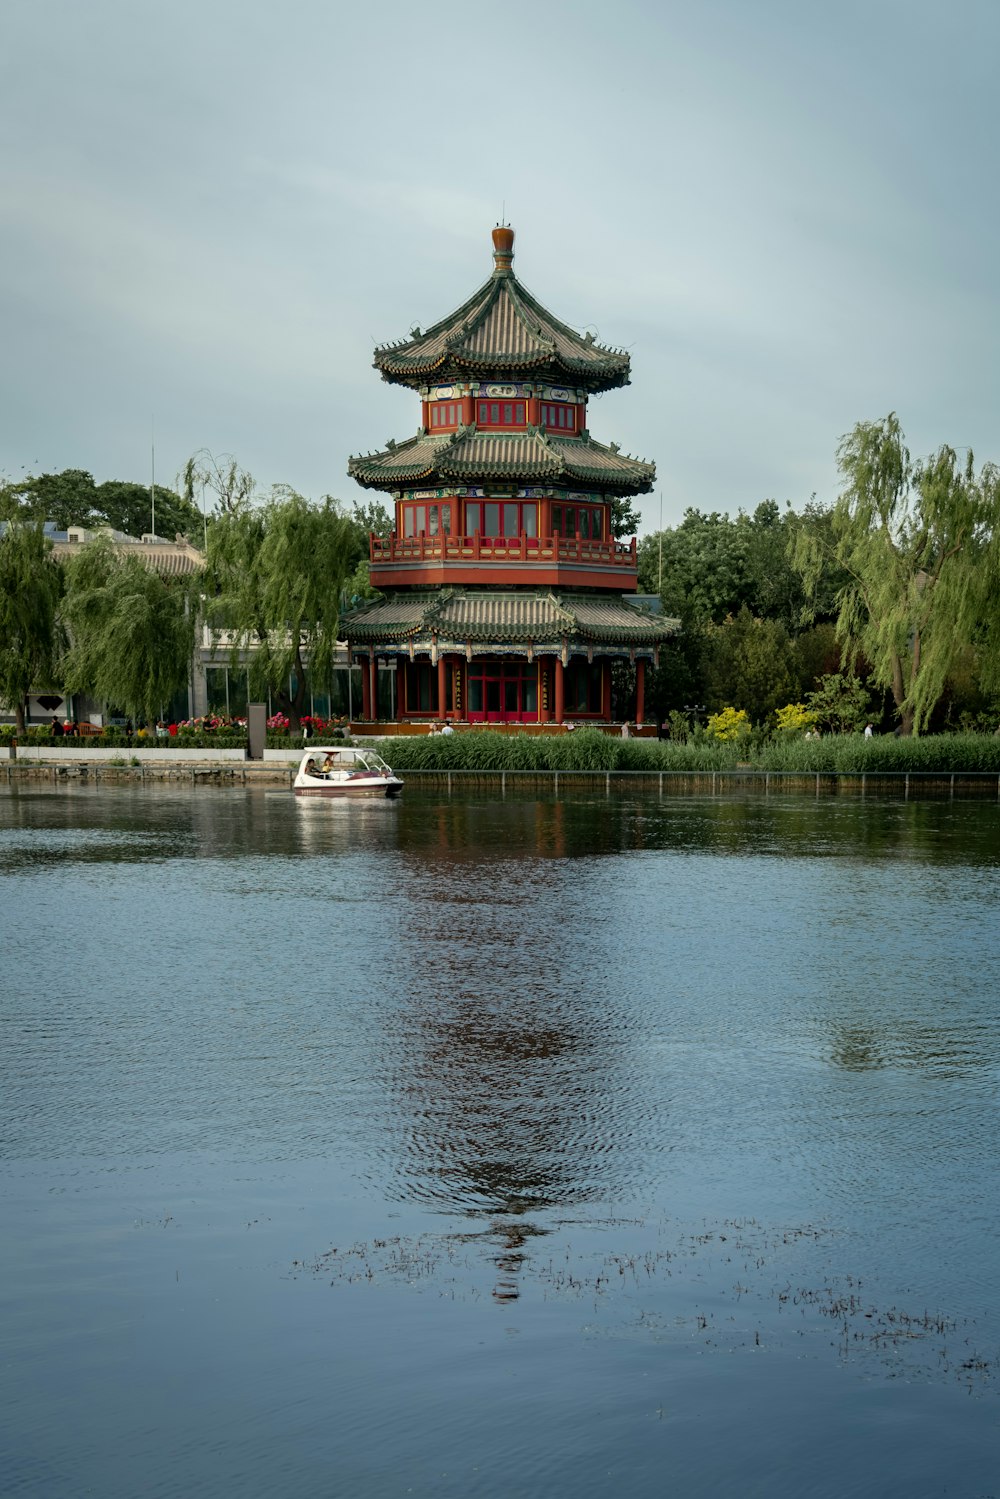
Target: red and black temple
point(506, 592)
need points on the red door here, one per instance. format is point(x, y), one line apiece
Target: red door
point(502, 692)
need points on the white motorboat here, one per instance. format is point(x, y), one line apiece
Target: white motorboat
point(345, 771)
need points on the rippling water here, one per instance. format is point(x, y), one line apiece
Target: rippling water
point(486, 1147)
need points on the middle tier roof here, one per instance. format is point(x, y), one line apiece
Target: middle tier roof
point(469, 456)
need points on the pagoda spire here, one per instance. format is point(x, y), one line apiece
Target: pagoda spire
point(503, 249)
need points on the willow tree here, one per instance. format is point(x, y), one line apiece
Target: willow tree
point(31, 586)
point(132, 632)
point(277, 571)
point(917, 542)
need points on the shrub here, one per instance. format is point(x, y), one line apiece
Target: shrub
point(730, 724)
point(794, 718)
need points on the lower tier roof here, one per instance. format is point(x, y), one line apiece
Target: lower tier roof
point(454, 618)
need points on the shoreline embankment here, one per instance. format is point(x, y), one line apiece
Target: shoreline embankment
point(236, 772)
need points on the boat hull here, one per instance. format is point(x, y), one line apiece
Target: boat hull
point(373, 790)
point(346, 772)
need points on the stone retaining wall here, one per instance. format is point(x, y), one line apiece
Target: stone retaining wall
point(77, 755)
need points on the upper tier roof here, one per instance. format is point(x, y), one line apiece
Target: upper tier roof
point(469, 456)
point(503, 332)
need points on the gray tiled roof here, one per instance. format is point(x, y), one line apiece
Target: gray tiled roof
point(502, 329)
point(511, 615)
point(469, 454)
point(505, 617)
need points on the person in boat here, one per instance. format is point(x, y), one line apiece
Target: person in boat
point(312, 769)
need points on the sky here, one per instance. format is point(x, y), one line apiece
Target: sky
point(211, 211)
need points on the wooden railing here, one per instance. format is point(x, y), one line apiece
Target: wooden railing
point(549, 549)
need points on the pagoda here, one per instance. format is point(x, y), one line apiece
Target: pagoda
point(506, 591)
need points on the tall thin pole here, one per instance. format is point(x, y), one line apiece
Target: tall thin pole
point(204, 514)
point(659, 586)
point(152, 476)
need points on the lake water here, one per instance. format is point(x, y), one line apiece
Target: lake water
point(486, 1147)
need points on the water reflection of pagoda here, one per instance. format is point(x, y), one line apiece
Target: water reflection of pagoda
point(506, 590)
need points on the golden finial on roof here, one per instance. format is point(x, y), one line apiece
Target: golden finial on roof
point(503, 248)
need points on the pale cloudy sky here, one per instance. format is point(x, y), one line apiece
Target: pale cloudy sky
point(210, 210)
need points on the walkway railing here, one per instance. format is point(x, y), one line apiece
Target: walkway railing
point(502, 549)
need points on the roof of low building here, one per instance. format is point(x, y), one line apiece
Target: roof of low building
point(524, 616)
point(171, 559)
point(177, 558)
point(502, 330)
point(530, 457)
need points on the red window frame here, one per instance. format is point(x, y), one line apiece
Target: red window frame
point(425, 518)
point(593, 528)
point(511, 518)
point(501, 413)
point(559, 416)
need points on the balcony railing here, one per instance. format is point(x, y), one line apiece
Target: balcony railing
point(459, 549)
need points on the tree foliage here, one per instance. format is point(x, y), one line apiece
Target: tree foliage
point(917, 543)
point(840, 703)
point(131, 631)
point(71, 498)
point(624, 520)
point(750, 665)
point(278, 571)
point(711, 565)
point(31, 586)
point(232, 488)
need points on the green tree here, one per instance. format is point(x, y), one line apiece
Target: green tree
point(232, 488)
point(131, 631)
point(703, 567)
point(817, 654)
point(750, 665)
point(31, 587)
point(624, 520)
point(278, 571)
point(129, 508)
point(71, 498)
point(67, 499)
point(367, 520)
point(840, 703)
point(917, 542)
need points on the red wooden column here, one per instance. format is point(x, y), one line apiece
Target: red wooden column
point(640, 691)
point(366, 694)
point(373, 690)
point(559, 689)
point(400, 688)
point(468, 411)
point(442, 679)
